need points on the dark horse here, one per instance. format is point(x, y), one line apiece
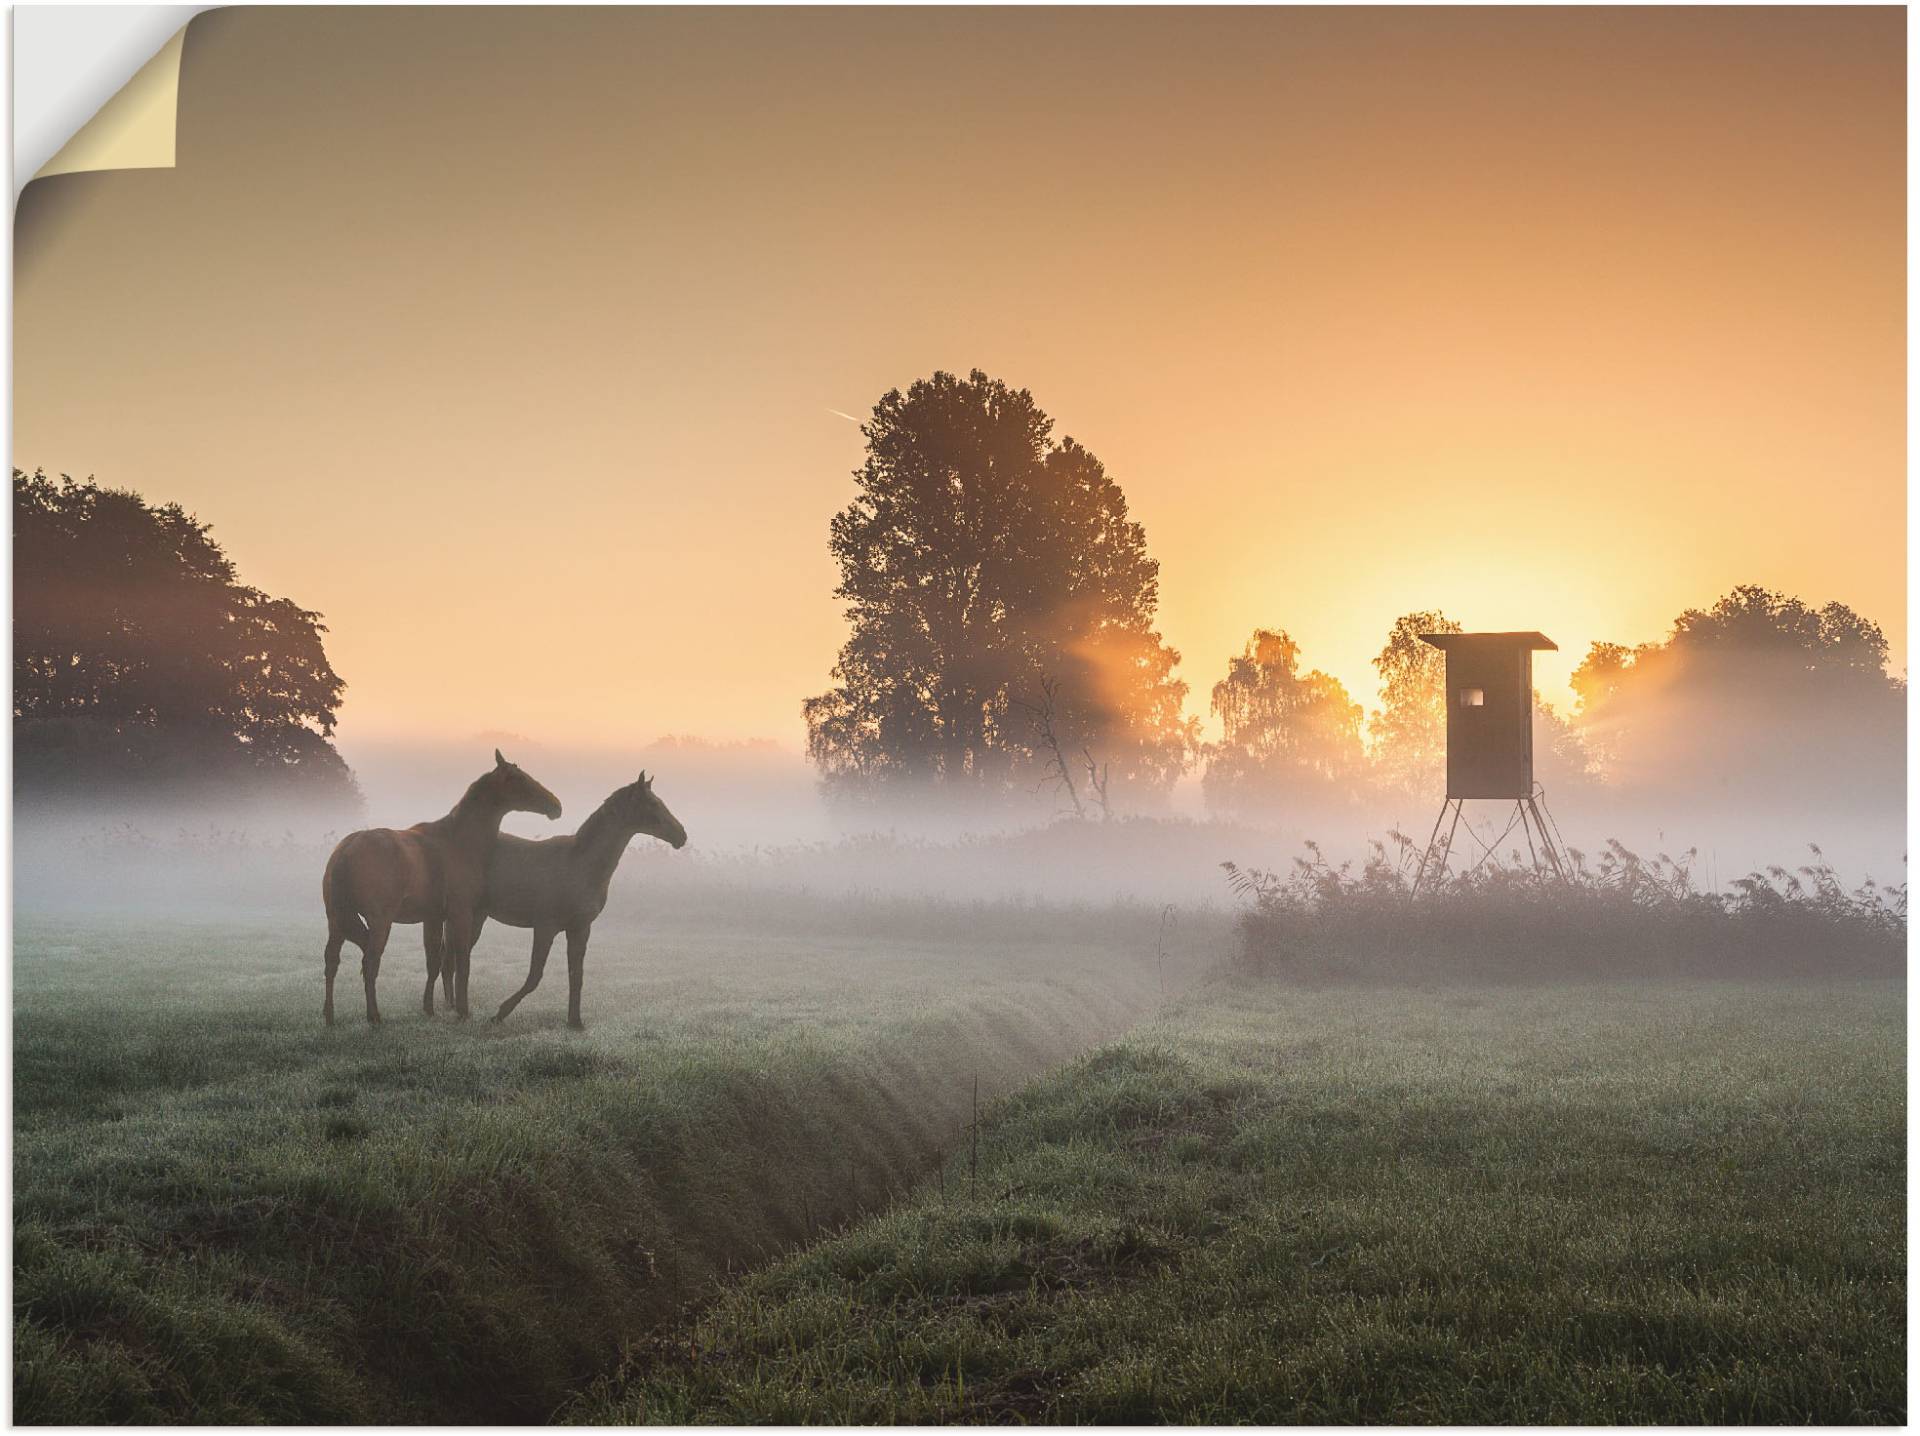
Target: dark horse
point(431, 873)
point(560, 884)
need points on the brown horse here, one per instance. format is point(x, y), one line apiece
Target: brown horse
point(560, 884)
point(431, 873)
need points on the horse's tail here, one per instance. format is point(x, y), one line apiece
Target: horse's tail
point(336, 891)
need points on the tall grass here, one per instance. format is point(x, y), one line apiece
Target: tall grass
point(1619, 915)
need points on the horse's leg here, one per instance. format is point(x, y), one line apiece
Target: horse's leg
point(576, 969)
point(435, 940)
point(459, 954)
point(542, 944)
point(332, 960)
point(449, 968)
point(371, 949)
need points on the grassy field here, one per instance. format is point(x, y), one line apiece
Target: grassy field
point(226, 1212)
point(1664, 1202)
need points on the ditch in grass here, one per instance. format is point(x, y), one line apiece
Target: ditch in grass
point(225, 1212)
point(1662, 1203)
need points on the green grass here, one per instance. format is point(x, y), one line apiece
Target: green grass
point(227, 1212)
point(1659, 1203)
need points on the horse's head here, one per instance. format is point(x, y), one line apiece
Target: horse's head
point(516, 791)
point(641, 809)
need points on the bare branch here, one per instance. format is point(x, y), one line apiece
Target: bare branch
point(1097, 781)
point(1056, 768)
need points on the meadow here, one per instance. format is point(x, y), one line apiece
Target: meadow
point(227, 1212)
point(1677, 1203)
point(837, 1151)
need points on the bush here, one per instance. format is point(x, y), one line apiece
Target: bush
point(1621, 916)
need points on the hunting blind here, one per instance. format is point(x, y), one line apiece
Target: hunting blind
point(1489, 695)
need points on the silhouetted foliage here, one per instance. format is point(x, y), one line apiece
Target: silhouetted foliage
point(1758, 697)
point(1560, 757)
point(1503, 918)
point(141, 662)
point(1286, 737)
point(980, 560)
point(1409, 729)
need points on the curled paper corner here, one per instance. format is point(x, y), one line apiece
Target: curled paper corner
point(135, 128)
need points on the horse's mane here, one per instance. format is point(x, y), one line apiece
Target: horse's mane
point(471, 796)
point(598, 820)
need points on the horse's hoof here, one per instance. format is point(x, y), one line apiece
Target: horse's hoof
point(576, 1024)
point(497, 1018)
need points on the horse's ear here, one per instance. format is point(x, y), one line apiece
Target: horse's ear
point(645, 782)
point(498, 760)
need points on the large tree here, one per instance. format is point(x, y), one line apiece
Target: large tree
point(140, 661)
point(995, 585)
point(1760, 699)
point(1286, 736)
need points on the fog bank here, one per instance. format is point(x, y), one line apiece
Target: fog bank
point(757, 822)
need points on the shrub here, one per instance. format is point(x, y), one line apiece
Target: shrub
point(1619, 916)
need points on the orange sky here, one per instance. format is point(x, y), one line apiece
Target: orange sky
point(509, 338)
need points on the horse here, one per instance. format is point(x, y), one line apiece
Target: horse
point(431, 873)
point(559, 885)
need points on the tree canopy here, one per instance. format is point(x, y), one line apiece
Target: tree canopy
point(141, 661)
point(1760, 693)
point(1409, 729)
point(989, 569)
point(1287, 736)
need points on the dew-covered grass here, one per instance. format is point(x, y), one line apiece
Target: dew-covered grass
point(225, 1211)
point(1659, 1202)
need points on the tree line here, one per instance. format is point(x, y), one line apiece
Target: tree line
point(1001, 604)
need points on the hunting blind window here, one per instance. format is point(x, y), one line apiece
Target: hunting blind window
point(1473, 697)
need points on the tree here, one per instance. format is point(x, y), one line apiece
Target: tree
point(979, 561)
point(1287, 736)
point(1758, 697)
point(1562, 762)
point(1409, 729)
point(140, 660)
